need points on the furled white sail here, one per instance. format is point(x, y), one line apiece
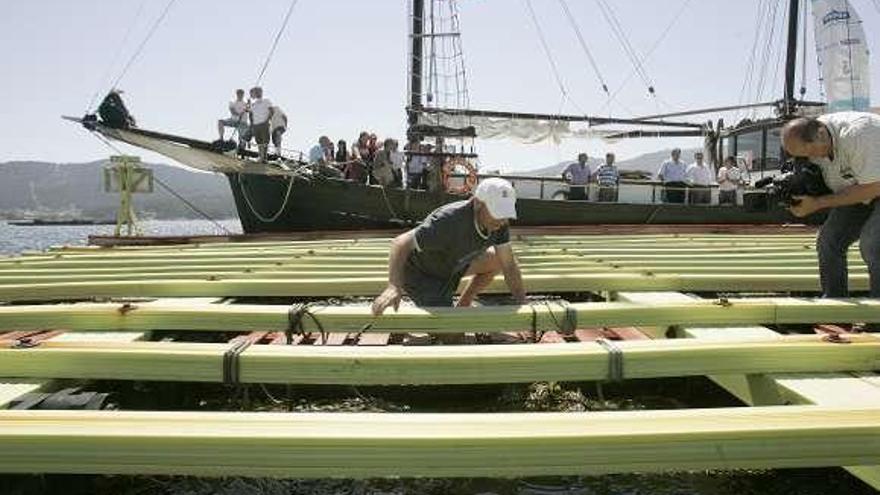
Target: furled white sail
point(524, 130)
point(843, 55)
point(189, 157)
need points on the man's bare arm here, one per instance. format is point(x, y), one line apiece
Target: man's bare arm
point(511, 271)
point(401, 247)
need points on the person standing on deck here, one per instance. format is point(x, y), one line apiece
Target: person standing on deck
point(470, 237)
point(729, 180)
point(577, 174)
point(237, 116)
point(278, 125)
point(383, 165)
point(608, 179)
point(699, 178)
point(672, 175)
point(846, 147)
point(261, 114)
point(416, 166)
point(397, 158)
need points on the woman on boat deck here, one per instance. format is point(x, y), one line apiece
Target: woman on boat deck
point(460, 239)
point(362, 148)
point(278, 124)
point(383, 165)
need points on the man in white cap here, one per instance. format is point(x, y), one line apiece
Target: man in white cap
point(465, 238)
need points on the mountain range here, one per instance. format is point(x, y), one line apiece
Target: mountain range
point(76, 190)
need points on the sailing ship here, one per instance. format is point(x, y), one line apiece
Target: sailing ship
point(291, 195)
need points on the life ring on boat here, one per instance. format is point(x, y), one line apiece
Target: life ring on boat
point(470, 180)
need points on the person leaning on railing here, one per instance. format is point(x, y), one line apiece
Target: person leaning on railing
point(729, 179)
point(699, 180)
point(577, 174)
point(846, 146)
point(608, 178)
point(672, 175)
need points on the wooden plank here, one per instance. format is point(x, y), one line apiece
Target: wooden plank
point(351, 319)
point(775, 389)
point(373, 339)
point(447, 364)
point(589, 334)
point(334, 338)
point(305, 445)
point(13, 389)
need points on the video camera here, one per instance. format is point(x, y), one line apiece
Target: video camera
point(799, 177)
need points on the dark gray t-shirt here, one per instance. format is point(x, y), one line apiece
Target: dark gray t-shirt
point(447, 241)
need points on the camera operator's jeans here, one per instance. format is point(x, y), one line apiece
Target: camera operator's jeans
point(843, 227)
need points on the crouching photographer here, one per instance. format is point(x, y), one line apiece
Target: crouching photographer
point(846, 148)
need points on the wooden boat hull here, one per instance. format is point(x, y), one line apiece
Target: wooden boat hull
point(273, 204)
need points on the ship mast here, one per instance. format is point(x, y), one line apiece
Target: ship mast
point(789, 103)
point(417, 33)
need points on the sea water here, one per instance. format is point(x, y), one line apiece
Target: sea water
point(15, 238)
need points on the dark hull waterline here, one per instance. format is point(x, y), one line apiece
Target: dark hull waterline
point(269, 204)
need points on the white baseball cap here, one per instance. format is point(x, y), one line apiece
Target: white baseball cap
point(498, 196)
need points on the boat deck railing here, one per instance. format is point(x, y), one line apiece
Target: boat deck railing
point(637, 191)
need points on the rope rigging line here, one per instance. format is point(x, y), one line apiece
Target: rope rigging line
point(620, 34)
point(650, 52)
point(546, 48)
point(166, 186)
point(780, 60)
point(458, 50)
point(275, 42)
point(583, 43)
point(115, 58)
point(191, 206)
point(140, 47)
point(762, 11)
point(768, 50)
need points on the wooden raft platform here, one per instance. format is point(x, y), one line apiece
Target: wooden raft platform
point(749, 285)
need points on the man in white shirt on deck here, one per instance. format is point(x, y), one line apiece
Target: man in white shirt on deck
point(278, 126)
point(672, 175)
point(699, 179)
point(729, 181)
point(237, 115)
point(261, 113)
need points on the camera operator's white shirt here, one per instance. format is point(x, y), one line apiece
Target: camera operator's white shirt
point(856, 141)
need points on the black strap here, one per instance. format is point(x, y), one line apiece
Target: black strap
point(615, 359)
point(537, 335)
point(569, 322)
point(232, 363)
point(295, 316)
point(566, 325)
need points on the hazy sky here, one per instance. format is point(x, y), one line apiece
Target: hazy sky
point(341, 66)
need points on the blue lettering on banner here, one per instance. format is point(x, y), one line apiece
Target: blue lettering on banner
point(835, 16)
